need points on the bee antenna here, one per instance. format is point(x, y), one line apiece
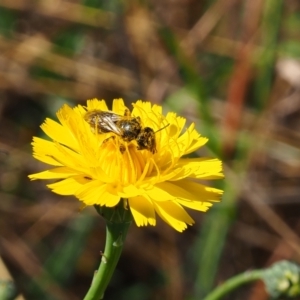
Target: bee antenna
point(162, 128)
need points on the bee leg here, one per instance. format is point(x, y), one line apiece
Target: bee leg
point(106, 140)
point(127, 113)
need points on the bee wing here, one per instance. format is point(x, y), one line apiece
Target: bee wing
point(111, 116)
point(108, 122)
point(104, 121)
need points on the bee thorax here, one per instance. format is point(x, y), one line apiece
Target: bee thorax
point(130, 129)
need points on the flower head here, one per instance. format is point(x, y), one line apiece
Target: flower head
point(96, 159)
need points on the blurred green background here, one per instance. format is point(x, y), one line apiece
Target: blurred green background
point(232, 67)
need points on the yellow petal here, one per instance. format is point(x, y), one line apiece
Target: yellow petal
point(176, 125)
point(91, 193)
point(196, 142)
point(56, 173)
point(173, 214)
point(80, 110)
point(109, 200)
point(191, 140)
point(64, 114)
point(95, 192)
point(59, 133)
point(196, 205)
point(201, 168)
point(45, 151)
point(142, 210)
point(70, 158)
point(149, 117)
point(119, 107)
point(129, 191)
point(167, 191)
point(199, 192)
point(95, 104)
point(57, 154)
point(68, 186)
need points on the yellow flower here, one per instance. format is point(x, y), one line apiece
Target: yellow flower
point(101, 168)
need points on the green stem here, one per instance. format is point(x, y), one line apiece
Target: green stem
point(116, 231)
point(233, 283)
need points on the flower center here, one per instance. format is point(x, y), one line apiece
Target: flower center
point(121, 160)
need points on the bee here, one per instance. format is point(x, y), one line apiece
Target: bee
point(127, 127)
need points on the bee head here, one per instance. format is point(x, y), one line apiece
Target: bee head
point(146, 140)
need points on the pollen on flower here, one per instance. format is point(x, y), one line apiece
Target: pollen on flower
point(101, 155)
